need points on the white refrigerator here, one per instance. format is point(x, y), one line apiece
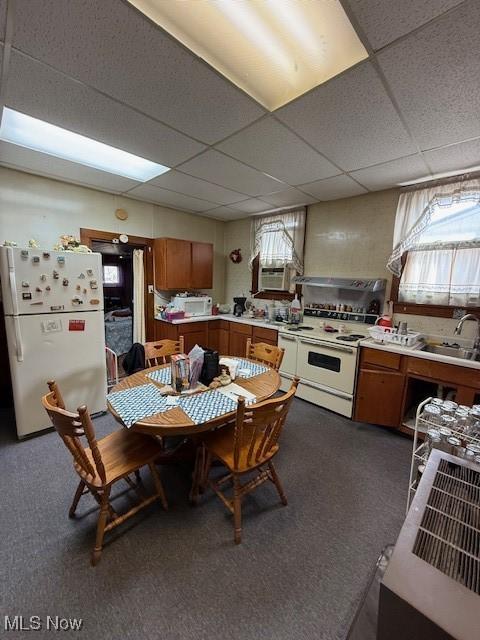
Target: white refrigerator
point(53, 306)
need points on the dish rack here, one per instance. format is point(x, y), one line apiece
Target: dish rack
point(384, 335)
point(420, 452)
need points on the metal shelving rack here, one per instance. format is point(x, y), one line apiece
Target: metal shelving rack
point(420, 451)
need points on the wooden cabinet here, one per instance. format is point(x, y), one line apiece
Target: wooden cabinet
point(379, 397)
point(262, 334)
point(228, 338)
point(391, 385)
point(182, 264)
point(219, 336)
point(202, 265)
point(239, 334)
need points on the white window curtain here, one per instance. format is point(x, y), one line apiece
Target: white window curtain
point(418, 207)
point(442, 276)
point(138, 297)
point(278, 239)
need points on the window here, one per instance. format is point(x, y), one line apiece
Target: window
point(111, 275)
point(276, 243)
point(442, 265)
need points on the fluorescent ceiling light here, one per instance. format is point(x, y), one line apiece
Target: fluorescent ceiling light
point(275, 50)
point(439, 176)
point(25, 131)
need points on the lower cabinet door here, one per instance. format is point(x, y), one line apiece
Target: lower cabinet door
point(238, 344)
point(379, 397)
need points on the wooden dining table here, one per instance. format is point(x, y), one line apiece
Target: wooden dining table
point(175, 422)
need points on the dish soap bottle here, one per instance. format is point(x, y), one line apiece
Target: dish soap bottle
point(295, 310)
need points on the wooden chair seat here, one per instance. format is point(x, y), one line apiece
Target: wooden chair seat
point(122, 453)
point(220, 444)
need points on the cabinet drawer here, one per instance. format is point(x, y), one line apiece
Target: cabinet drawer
point(261, 333)
point(236, 327)
point(381, 358)
point(450, 373)
point(218, 324)
point(191, 327)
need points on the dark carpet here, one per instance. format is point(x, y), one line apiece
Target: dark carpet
point(299, 573)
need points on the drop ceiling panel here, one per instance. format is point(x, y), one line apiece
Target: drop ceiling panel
point(169, 198)
point(334, 188)
point(433, 75)
point(386, 20)
point(288, 197)
point(220, 169)
point(351, 120)
point(112, 47)
point(269, 146)
point(42, 164)
point(392, 173)
point(455, 157)
point(252, 205)
point(41, 92)
point(224, 213)
point(197, 188)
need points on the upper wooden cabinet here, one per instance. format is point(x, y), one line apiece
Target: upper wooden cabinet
point(182, 264)
point(202, 265)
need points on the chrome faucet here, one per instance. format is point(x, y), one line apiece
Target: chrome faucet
point(458, 329)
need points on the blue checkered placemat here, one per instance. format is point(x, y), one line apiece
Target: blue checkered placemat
point(202, 407)
point(254, 368)
point(137, 403)
point(162, 376)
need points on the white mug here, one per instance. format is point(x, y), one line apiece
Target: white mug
point(342, 328)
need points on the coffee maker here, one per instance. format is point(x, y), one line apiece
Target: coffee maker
point(239, 306)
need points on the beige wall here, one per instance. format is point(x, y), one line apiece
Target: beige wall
point(43, 209)
point(352, 236)
point(238, 276)
point(348, 237)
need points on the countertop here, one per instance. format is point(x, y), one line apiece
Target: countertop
point(415, 352)
point(367, 342)
point(231, 318)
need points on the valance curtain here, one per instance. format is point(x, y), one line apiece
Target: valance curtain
point(417, 206)
point(278, 239)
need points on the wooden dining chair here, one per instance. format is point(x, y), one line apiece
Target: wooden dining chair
point(265, 353)
point(159, 352)
point(104, 462)
point(247, 446)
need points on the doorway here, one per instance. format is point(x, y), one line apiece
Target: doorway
point(117, 260)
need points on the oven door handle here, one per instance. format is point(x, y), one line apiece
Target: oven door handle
point(289, 338)
point(327, 345)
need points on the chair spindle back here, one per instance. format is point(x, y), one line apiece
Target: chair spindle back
point(258, 427)
point(265, 353)
point(159, 352)
point(71, 427)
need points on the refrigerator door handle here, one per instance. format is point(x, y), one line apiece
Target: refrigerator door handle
point(18, 339)
point(13, 282)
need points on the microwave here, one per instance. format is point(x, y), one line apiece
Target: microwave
point(193, 305)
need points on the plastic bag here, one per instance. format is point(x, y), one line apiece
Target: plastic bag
point(196, 357)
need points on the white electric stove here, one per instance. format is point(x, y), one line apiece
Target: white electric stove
point(325, 362)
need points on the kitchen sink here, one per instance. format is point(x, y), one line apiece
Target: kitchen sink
point(455, 351)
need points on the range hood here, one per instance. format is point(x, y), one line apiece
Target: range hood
point(356, 284)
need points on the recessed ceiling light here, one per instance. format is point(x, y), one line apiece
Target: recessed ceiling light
point(38, 135)
point(275, 50)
